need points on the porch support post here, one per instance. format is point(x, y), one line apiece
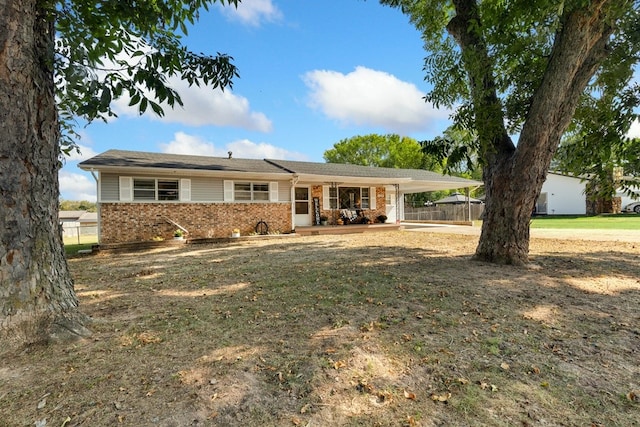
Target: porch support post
point(467, 193)
point(399, 212)
point(294, 181)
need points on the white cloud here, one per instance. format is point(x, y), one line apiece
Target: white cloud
point(189, 144)
point(204, 106)
point(74, 186)
point(84, 154)
point(634, 130)
point(184, 143)
point(370, 97)
point(253, 12)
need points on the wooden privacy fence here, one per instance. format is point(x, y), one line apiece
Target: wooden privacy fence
point(447, 212)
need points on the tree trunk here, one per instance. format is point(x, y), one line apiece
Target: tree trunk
point(35, 282)
point(514, 176)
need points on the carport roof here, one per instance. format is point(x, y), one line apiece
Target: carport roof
point(409, 180)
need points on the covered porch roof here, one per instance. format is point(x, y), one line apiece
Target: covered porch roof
point(407, 180)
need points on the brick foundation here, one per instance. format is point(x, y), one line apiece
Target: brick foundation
point(131, 222)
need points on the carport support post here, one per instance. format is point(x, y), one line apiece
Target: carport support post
point(467, 193)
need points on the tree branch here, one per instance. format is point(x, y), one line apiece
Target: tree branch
point(466, 29)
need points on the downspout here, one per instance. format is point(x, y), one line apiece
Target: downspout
point(98, 198)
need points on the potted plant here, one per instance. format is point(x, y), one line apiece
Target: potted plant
point(178, 234)
point(324, 219)
point(235, 232)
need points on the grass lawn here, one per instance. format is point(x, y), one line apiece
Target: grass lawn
point(600, 222)
point(375, 329)
point(72, 246)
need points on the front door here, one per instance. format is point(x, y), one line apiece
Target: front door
point(302, 206)
point(391, 210)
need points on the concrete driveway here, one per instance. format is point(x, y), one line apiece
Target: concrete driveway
point(544, 233)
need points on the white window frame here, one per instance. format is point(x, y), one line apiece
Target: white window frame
point(330, 199)
point(268, 192)
point(127, 189)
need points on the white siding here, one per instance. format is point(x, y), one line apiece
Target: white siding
point(284, 191)
point(565, 195)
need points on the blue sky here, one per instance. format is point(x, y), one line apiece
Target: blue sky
point(312, 73)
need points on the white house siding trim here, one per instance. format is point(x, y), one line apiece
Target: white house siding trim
point(565, 195)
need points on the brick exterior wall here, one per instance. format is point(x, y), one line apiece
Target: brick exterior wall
point(132, 222)
point(316, 191)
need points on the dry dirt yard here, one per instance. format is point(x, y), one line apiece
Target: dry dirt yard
point(381, 329)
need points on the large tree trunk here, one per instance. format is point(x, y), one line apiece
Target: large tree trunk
point(35, 282)
point(514, 176)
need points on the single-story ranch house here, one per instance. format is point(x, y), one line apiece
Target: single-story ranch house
point(142, 196)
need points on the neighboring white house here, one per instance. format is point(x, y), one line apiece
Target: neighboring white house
point(562, 195)
point(76, 223)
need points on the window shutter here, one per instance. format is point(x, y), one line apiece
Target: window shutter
point(273, 191)
point(372, 198)
point(228, 191)
point(126, 189)
point(185, 190)
point(326, 201)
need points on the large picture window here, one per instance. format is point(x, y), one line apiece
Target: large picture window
point(354, 197)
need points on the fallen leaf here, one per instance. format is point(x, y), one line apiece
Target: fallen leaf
point(535, 370)
point(463, 381)
point(339, 364)
point(296, 421)
point(494, 387)
point(634, 396)
point(440, 397)
point(505, 366)
point(411, 422)
point(42, 403)
point(409, 395)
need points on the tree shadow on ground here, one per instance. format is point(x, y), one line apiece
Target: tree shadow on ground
point(342, 331)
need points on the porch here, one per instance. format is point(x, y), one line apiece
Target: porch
point(318, 230)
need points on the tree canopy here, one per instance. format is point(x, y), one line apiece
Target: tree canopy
point(390, 151)
point(520, 68)
point(596, 146)
point(110, 49)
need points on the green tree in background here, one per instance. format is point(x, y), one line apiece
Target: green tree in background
point(519, 67)
point(596, 145)
point(75, 205)
point(61, 60)
point(389, 151)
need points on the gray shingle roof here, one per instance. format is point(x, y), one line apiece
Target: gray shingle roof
point(138, 159)
point(347, 170)
point(411, 180)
